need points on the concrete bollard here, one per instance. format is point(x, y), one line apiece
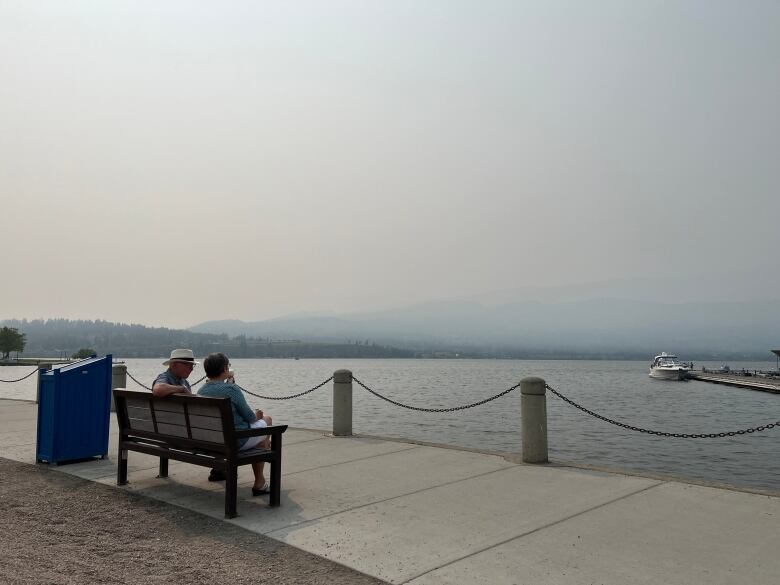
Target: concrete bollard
point(118, 380)
point(533, 406)
point(42, 369)
point(342, 403)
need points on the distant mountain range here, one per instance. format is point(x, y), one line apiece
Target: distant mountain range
point(729, 285)
point(604, 327)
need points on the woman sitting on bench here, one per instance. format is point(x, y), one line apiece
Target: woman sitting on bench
point(220, 384)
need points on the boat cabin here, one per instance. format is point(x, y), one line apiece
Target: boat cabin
point(665, 360)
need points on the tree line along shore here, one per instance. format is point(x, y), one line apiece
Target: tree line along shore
point(65, 338)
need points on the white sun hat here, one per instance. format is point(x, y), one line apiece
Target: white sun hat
point(181, 355)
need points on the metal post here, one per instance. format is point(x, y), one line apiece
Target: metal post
point(118, 380)
point(533, 406)
point(342, 403)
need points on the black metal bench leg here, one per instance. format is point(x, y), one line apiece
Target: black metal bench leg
point(163, 467)
point(276, 482)
point(276, 471)
point(121, 470)
point(231, 490)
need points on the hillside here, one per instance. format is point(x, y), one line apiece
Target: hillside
point(595, 328)
point(63, 337)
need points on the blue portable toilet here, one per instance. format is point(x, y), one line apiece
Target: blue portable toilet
point(74, 411)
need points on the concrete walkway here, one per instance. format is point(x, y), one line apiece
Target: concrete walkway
point(423, 515)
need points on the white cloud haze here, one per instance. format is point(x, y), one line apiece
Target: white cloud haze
point(172, 162)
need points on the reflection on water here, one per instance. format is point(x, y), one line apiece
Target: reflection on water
point(619, 390)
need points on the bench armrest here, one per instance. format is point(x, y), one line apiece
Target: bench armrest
point(275, 430)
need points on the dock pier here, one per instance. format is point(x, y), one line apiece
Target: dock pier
point(739, 380)
point(33, 361)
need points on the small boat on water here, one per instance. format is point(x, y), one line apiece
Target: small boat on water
point(667, 367)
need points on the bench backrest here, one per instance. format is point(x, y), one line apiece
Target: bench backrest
point(189, 421)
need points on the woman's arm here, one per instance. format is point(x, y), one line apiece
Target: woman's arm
point(242, 408)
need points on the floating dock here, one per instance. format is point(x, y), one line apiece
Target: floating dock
point(36, 361)
point(739, 380)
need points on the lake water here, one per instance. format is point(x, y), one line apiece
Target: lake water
point(620, 390)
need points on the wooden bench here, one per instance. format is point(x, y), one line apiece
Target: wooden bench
point(193, 429)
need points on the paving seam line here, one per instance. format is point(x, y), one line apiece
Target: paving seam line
point(174, 464)
point(180, 463)
point(383, 500)
point(289, 443)
point(538, 529)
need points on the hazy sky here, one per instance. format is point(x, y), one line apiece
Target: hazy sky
point(171, 162)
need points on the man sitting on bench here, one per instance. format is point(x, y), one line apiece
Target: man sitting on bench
point(174, 381)
point(220, 384)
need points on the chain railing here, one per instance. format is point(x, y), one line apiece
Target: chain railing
point(757, 429)
point(555, 392)
point(421, 409)
point(320, 385)
point(20, 379)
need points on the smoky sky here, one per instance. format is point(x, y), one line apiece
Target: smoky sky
point(171, 162)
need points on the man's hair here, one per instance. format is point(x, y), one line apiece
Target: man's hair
point(215, 364)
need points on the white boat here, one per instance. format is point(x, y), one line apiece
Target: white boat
point(667, 367)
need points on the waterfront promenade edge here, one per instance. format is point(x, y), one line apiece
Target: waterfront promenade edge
point(421, 514)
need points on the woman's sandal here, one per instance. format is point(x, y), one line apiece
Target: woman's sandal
point(260, 491)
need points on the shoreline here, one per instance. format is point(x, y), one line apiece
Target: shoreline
point(531, 358)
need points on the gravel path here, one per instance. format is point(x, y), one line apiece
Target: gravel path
point(59, 529)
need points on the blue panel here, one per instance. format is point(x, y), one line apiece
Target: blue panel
point(73, 411)
point(45, 414)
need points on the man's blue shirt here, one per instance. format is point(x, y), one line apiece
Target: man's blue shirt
point(167, 377)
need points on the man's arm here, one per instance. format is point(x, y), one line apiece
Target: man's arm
point(161, 390)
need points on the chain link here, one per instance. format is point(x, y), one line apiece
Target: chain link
point(420, 409)
point(137, 382)
point(20, 379)
point(662, 433)
point(287, 397)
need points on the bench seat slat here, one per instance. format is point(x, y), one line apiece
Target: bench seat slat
point(168, 406)
point(172, 430)
point(204, 410)
point(174, 418)
point(207, 435)
point(141, 425)
point(138, 412)
point(137, 402)
point(161, 450)
point(183, 443)
point(205, 422)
